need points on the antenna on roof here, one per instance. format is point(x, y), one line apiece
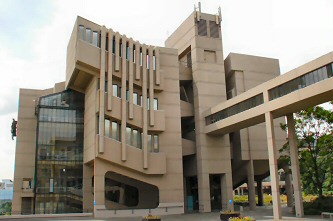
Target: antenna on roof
point(197, 13)
point(219, 16)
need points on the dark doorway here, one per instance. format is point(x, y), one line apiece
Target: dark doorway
point(215, 192)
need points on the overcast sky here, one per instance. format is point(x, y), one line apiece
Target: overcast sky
point(34, 36)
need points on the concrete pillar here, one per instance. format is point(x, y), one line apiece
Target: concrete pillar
point(227, 191)
point(250, 185)
point(88, 202)
point(273, 166)
point(295, 166)
point(204, 192)
point(260, 193)
point(99, 185)
point(289, 187)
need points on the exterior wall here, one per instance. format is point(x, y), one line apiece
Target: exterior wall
point(212, 153)
point(245, 72)
point(103, 154)
point(25, 146)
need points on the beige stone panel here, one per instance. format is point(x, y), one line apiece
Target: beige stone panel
point(27, 135)
point(27, 169)
point(208, 77)
point(171, 98)
point(59, 87)
point(207, 101)
point(134, 159)
point(27, 112)
point(216, 166)
point(116, 108)
point(88, 54)
point(210, 89)
point(174, 166)
point(252, 63)
point(137, 120)
point(169, 72)
point(27, 123)
point(88, 201)
point(159, 121)
point(172, 195)
point(213, 44)
point(205, 67)
point(71, 52)
point(172, 85)
point(186, 109)
point(173, 124)
point(170, 137)
point(26, 147)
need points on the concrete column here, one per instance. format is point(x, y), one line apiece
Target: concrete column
point(295, 166)
point(110, 70)
point(227, 191)
point(204, 192)
point(130, 80)
point(144, 108)
point(88, 202)
point(289, 187)
point(102, 91)
point(99, 184)
point(260, 193)
point(250, 185)
point(123, 98)
point(151, 88)
point(137, 61)
point(157, 64)
point(273, 166)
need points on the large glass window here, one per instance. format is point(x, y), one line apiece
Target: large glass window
point(135, 98)
point(115, 128)
point(81, 32)
point(107, 127)
point(59, 166)
point(88, 37)
point(95, 38)
point(116, 91)
point(128, 135)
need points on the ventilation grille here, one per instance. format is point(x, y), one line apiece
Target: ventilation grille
point(214, 29)
point(202, 27)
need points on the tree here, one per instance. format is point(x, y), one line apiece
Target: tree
point(314, 130)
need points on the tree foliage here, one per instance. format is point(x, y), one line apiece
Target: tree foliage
point(314, 130)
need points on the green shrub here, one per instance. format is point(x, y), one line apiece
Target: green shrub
point(319, 205)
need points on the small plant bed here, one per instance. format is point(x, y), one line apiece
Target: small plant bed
point(226, 215)
point(243, 218)
point(151, 218)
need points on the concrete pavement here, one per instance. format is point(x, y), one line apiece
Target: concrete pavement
point(261, 213)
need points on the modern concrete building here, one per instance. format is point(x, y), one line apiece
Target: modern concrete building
point(137, 128)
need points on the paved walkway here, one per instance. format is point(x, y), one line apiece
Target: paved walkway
point(261, 213)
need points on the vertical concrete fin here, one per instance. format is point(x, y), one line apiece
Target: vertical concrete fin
point(144, 107)
point(137, 61)
point(151, 87)
point(157, 66)
point(123, 98)
point(102, 91)
point(110, 70)
point(116, 53)
point(130, 80)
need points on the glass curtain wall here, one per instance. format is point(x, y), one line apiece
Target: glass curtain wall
point(59, 154)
